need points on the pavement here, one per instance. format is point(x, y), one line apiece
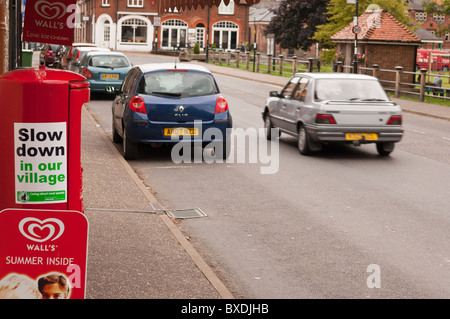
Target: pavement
point(135, 250)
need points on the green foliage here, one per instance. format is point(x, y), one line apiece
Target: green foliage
point(196, 48)
point(328, 56)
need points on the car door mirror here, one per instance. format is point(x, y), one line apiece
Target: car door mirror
point(274, 94)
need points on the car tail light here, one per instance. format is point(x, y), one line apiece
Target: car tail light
point(137, 104)
point(325, 119)
point(87, 73)
point(221, 105)
point(395, 120)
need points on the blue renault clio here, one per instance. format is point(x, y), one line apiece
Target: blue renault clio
point(170, 103)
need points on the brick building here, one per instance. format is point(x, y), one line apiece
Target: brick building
point(433, 23)
point(382, 40)
point(145, 25)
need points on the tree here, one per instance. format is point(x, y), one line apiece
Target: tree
point(295, 22)
point(340, 14)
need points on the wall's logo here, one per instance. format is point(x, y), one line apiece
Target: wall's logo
point(41, 230)
point(49, 10)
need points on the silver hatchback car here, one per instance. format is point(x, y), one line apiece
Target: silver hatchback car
point(323, 108)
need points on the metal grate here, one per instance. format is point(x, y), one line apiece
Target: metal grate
point(186, 213)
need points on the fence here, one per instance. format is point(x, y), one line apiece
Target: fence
point(405, 83)
point(264, 63)
point(398, 81)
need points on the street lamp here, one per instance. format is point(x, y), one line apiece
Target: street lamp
point(356, 29)
point(207, 37)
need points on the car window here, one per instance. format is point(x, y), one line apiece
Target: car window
point(289, 88)
point(179, 83)
point(109, 61)
point(301, 89)
point(349, 90)
point(129, 80)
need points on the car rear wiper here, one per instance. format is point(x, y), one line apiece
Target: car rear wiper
point(365, 100)
point(168, 93)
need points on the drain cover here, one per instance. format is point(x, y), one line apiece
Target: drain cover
point(187, 213)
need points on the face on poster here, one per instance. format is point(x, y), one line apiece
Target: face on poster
point(43, 254)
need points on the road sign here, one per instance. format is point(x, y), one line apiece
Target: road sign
point(356, 29)
point(43, 254)
point(49, 22)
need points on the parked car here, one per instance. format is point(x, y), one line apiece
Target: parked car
point(68, 53)
point(47, 56)
point(164, 100)
point(323, 108)
point(440, 60)
point(79, 53)
point(104, 69)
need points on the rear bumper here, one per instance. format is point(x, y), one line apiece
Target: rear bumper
point(328, 133)
point(141, 130)
point(100, 86)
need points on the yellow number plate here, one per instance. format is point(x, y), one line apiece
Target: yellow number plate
point(361, 136)
point(177, 131)
point(110, 76)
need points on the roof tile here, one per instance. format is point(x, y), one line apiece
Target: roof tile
point(377, 25)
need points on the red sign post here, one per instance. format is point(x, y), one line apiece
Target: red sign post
point(43, 254)
point(49, 21)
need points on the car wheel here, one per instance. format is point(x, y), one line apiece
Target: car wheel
point(384, 149)
point(116, 137)
point(129, 148)
point(268, 127)
point(303, 141)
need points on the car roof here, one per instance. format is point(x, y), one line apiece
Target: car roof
point(149, 67)
point(92, 48)
point(336, 75)
point(82, 44)
point(94, 53)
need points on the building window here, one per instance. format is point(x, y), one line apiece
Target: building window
point(173, 33)
point(105, 3)
point(225, 35)
point(447, 37)
point(106, 31)
point(134, 31)
point(229, 9)
point(200, 35)
point(439, 18)
point(421, 16)
point(136, 3)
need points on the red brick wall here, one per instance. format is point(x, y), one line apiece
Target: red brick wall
point(390, 56)
point(192, 17)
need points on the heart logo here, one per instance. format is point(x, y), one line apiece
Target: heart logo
point(41, 230)
point(49, 10)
